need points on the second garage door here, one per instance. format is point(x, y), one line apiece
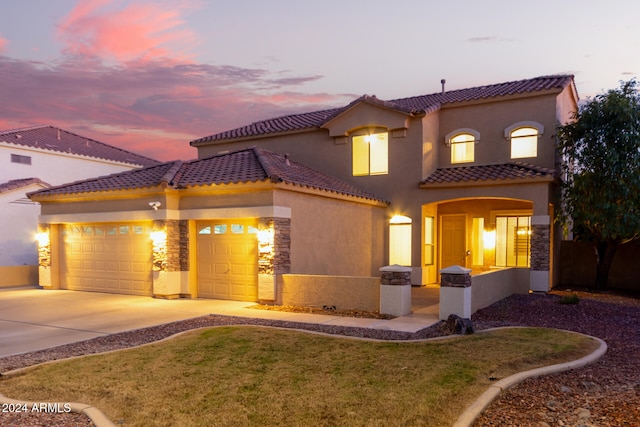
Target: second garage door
point(113, 258)
point(227, 259)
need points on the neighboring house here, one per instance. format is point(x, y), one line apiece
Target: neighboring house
point(465, 177)
point(33, 158)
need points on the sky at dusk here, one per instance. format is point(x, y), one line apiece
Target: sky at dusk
point(149, 76)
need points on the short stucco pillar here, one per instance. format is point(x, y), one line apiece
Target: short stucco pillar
point(455, 292)
point(395, 290)
point(540, 253)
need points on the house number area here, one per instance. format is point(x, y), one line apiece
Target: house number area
point(36, 407)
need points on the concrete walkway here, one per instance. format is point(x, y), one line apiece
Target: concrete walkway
point(34, 319)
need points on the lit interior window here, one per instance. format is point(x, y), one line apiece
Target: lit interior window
point(462, 148)
point(477, 248)
point(400, 240)
point(429, 258)
point(370, 154)
point(524, 143)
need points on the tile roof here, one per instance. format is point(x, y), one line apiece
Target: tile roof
point(412, 105)
point(242, 166)
point(55, 139)
point(503, 172)
point(16, 184)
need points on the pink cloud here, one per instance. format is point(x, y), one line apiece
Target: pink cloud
point(127, 31)
point(152, 107)
point(3, 44)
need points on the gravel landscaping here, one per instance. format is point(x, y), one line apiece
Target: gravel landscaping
point(606, 393)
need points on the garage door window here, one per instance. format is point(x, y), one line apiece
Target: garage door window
point(220, 229)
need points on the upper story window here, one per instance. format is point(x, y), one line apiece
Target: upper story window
point(462, 143)
point(524, 139)
point(371, 154)
point(17, 158)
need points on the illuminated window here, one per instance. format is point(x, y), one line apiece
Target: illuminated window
point(523, 137)
point(370, 154)
point(400, 240)
point(462, 146)
point(428, 241)
point(513, 241)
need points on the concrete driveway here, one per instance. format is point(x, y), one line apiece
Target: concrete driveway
point(35, 319)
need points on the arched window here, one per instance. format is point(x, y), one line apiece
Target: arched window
point(524, 139)
point(462, 143)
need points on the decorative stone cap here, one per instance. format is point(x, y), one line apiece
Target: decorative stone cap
point(395, 268)
point(455, 269)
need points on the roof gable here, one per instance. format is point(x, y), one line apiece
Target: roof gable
point(50, 138)
point(243, 166)
point(18, 184)
point(423, 104)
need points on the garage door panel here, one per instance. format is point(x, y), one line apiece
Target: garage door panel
point(227, 260)
point(107, 258)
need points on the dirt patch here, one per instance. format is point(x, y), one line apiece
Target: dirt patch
point(331, 311)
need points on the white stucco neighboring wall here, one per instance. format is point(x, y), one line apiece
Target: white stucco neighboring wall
point(18, 224)
point(54, 167)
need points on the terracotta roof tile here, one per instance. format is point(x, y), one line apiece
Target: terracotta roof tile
point(249, 165)
point(15, 184)
point(509, 171)
point(55, 139)
point(416, 104)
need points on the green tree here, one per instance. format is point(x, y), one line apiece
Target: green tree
point(601, 180)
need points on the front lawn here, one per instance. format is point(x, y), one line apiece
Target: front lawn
point(252, 376)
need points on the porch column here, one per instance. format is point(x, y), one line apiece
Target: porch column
point(274, 260)
point(540, 253)
point(170, 240)
point(395, 290)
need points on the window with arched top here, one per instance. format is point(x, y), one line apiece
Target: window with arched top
point(524, 137)
point(462, 143)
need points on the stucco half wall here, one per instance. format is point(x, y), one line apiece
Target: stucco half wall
point(18, 275)
point(341, 292)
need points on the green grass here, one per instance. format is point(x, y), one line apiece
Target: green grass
point(249, 376)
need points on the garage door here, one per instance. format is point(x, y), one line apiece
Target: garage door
point(227, 259)
point(113, 258)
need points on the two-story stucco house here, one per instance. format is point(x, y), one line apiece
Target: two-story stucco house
point(35, 158)
point(464, 177)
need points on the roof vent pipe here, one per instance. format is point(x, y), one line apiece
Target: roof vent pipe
point(58, 134)
point(286, 160)
point(442, 82)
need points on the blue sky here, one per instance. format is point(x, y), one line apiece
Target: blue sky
point(151, 75)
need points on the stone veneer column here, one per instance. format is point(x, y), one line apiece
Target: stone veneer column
point(171, 263)
point(540, 253)
point(455, 292)
point(274, 255)
point(395, 290)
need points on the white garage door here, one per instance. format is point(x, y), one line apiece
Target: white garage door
point(114, 258)
point(227, 259)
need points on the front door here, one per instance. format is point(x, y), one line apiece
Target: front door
point(453, 240)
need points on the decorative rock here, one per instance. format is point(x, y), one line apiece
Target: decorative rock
point(457, 325)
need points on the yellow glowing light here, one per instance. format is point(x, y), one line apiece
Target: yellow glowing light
point(159, 238)
point(400, 219)
point(489, 239)
point(265, 240)
point(42, 238)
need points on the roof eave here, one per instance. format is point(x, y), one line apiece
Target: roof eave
point(489, 182)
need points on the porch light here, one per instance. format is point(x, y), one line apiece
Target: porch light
point(159, 241)
point(266, 240)
point(42, 238)
point(489, 239)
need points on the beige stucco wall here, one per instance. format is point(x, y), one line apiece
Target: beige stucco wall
point(18, 275)
point(491, 119)
point(490, 287)
point(342, 292)
point(332, 237)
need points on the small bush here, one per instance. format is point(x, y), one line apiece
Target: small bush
point(569, 299)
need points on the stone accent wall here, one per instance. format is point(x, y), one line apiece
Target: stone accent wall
point(396, 278)
point(176, 257)
point(44, 252)
point(455, 280)
point(278, 259)
point(540, 247)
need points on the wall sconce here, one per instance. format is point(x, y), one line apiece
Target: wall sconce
point(159, 241)
point(44, 248)
point(489, 239)
point(155, 205)
point(265, 240)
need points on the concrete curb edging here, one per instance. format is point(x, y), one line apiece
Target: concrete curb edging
point(475, 409)
point(96, 416)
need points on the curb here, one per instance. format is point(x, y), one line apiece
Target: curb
point(96, 416)
point(475, 409)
